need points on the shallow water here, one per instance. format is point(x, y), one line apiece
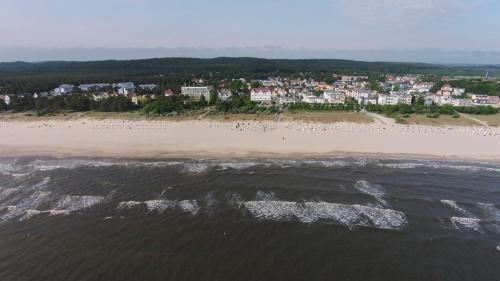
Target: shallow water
point(337, 218)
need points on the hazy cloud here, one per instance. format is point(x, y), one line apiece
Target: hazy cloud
point(404, 11)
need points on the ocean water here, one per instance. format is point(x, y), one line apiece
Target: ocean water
point(342, 218)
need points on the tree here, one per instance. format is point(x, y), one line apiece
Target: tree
point(3, 106)
point(256, 84)
point(375, 85)
point(115, 104)
point(214, 97)
point(22, 103)
point(78, 102)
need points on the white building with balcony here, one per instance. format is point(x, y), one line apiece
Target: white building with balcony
point(196, 92)
point(261, 95)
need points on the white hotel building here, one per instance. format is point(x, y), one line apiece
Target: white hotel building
point(196, 92)
point(261, 95)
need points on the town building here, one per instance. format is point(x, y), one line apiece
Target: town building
point(224, 94)
point(449, 91)
point(6, 99)
point(423, 87)
point(287, 100)
point(97, 86)
point(346, 78)
point(261, 95)
point(394, 98)
point(196, 92)
point(148, 87)
point(485, 100)
point(168, 92)
point(312, 99)
point(335, 97)
point(63, 89)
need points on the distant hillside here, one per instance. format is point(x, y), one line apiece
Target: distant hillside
point(245, 65)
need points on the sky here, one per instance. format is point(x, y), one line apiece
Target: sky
point(96, 29)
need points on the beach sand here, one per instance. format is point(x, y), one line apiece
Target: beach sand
point(239, 139)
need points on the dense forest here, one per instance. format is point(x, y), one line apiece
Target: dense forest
point(19, 77)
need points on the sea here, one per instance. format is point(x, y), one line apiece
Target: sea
point(332, 218)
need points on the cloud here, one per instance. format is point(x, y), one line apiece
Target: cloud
point(404, 11)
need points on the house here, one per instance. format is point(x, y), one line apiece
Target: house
point(100, 96)
point(127, 85)
point(461, 102)
point(6, 99)
point(394, 98)
point(485, 100)
point(125, 88)
point(360, 94)
point(224, 94)
point(63, 89)
point(97, 86)
point(353, 78)
point(287, 100)
point(126, 91)
point(136, 99)
point(312, 99)
point(148, 87)
point(41, 95)
point(335, 97)
point(196, 92)
point(448, 91)
point(423, 87)
point(168, 92)
point(261, 95)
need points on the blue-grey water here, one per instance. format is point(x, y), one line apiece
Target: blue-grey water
point(343, 218)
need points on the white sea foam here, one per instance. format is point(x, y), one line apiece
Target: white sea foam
point(490, 210)
point(466, 223)
point(128, 205)
point(189, 206)
point(160, 206)
point(402, 165)
point(196, 168)
point(329, 163)
point(7, 208)
point(28, 214)
point(55, 164)
point(211, 202)
point(32, 202)
point(56, 212)
point(9, 167)
point(4, 193)
point(237, 165)
point(265, 196)
point(311, 212)
point(77, 203)
point(413, 165)
point(374, 190)
point(455, 206)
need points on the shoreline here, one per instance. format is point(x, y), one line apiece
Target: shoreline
point(199, 156)
point(245, 140)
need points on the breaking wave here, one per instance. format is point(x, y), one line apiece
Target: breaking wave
point(454, 206)
point(161, 206)
point(311, 212)
point(435, 165)
point(490, 210)
point(465, 224)
point(373, 190)
point(76, 203)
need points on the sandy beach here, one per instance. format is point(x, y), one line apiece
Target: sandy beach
point(214, 139)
